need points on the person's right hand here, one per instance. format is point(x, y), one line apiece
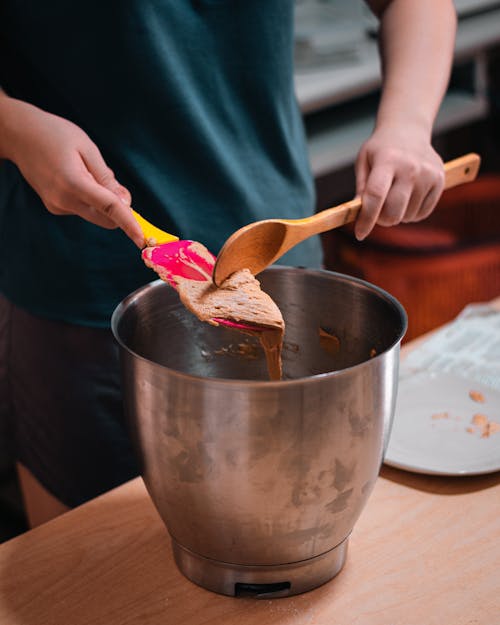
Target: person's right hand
point(64, 166)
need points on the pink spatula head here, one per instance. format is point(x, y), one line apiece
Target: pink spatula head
point(188, 260)
point(175, 260)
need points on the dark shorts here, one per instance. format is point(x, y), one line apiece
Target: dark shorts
point(60, 394)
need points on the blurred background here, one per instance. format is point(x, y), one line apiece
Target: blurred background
point(438, 266)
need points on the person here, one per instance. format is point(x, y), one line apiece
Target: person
point(184, 109)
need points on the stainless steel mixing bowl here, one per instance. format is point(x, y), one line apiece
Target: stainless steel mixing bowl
point(260, 483)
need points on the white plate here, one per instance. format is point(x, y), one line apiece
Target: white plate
point(429, 433)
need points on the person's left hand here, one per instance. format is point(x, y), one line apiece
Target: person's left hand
point(399, 177)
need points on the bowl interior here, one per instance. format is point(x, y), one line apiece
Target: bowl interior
point(332, 322)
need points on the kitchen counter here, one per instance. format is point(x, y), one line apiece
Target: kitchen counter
point(426, 551)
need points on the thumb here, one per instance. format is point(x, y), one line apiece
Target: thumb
point(103, 174)
point(108, 207)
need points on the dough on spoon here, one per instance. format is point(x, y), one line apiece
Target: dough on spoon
point(239, 298)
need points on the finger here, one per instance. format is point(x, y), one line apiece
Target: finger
point(415, 202)
point(96, 165)
point(74, 207)
point(104, 175)
point(94, 216)
point(432, 198)
point(124, 194)
point(372, 199)
point(429, 180)
point(396, 203)
point(362, 170)
point(109, 205)
point(55, 210)
point(81, 194)
point(429, 203)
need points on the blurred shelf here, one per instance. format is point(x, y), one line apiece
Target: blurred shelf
point(478, 32)
point(339, 100)
point(324, 86)
point(319, 87)
point(334, 140)
point(465, 7)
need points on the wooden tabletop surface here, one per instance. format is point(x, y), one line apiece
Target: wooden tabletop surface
point(425, 551)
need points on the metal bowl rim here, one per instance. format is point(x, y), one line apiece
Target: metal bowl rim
point(269, 384)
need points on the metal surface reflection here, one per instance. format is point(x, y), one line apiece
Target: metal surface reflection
point(260, 483)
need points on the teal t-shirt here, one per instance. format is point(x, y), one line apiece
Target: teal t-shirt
point(192, 105)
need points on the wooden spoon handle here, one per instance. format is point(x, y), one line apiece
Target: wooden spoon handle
point(460, 170)
point(457, 171)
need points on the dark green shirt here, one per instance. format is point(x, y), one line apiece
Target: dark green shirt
point(192, 105)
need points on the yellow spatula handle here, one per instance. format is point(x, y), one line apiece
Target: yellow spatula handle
point(152, 234)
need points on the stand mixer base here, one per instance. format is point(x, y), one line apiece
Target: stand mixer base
point(266, 581)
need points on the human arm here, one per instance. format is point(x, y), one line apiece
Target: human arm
point(64, 166)
point(399, 176)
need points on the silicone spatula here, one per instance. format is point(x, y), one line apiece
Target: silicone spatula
point(173, 259)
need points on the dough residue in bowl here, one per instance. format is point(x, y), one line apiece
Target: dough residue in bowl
point(239, 299)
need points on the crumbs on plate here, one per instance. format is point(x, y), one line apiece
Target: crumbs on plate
point(484, 426)
point(477, 396)
point(479, 424)
point(441, 415)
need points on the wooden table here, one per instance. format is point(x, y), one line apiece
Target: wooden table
point(426, 551)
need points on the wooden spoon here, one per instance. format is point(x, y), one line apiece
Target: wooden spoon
point(259, 244)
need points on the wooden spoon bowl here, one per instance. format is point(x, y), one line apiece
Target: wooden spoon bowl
point(261, 243)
